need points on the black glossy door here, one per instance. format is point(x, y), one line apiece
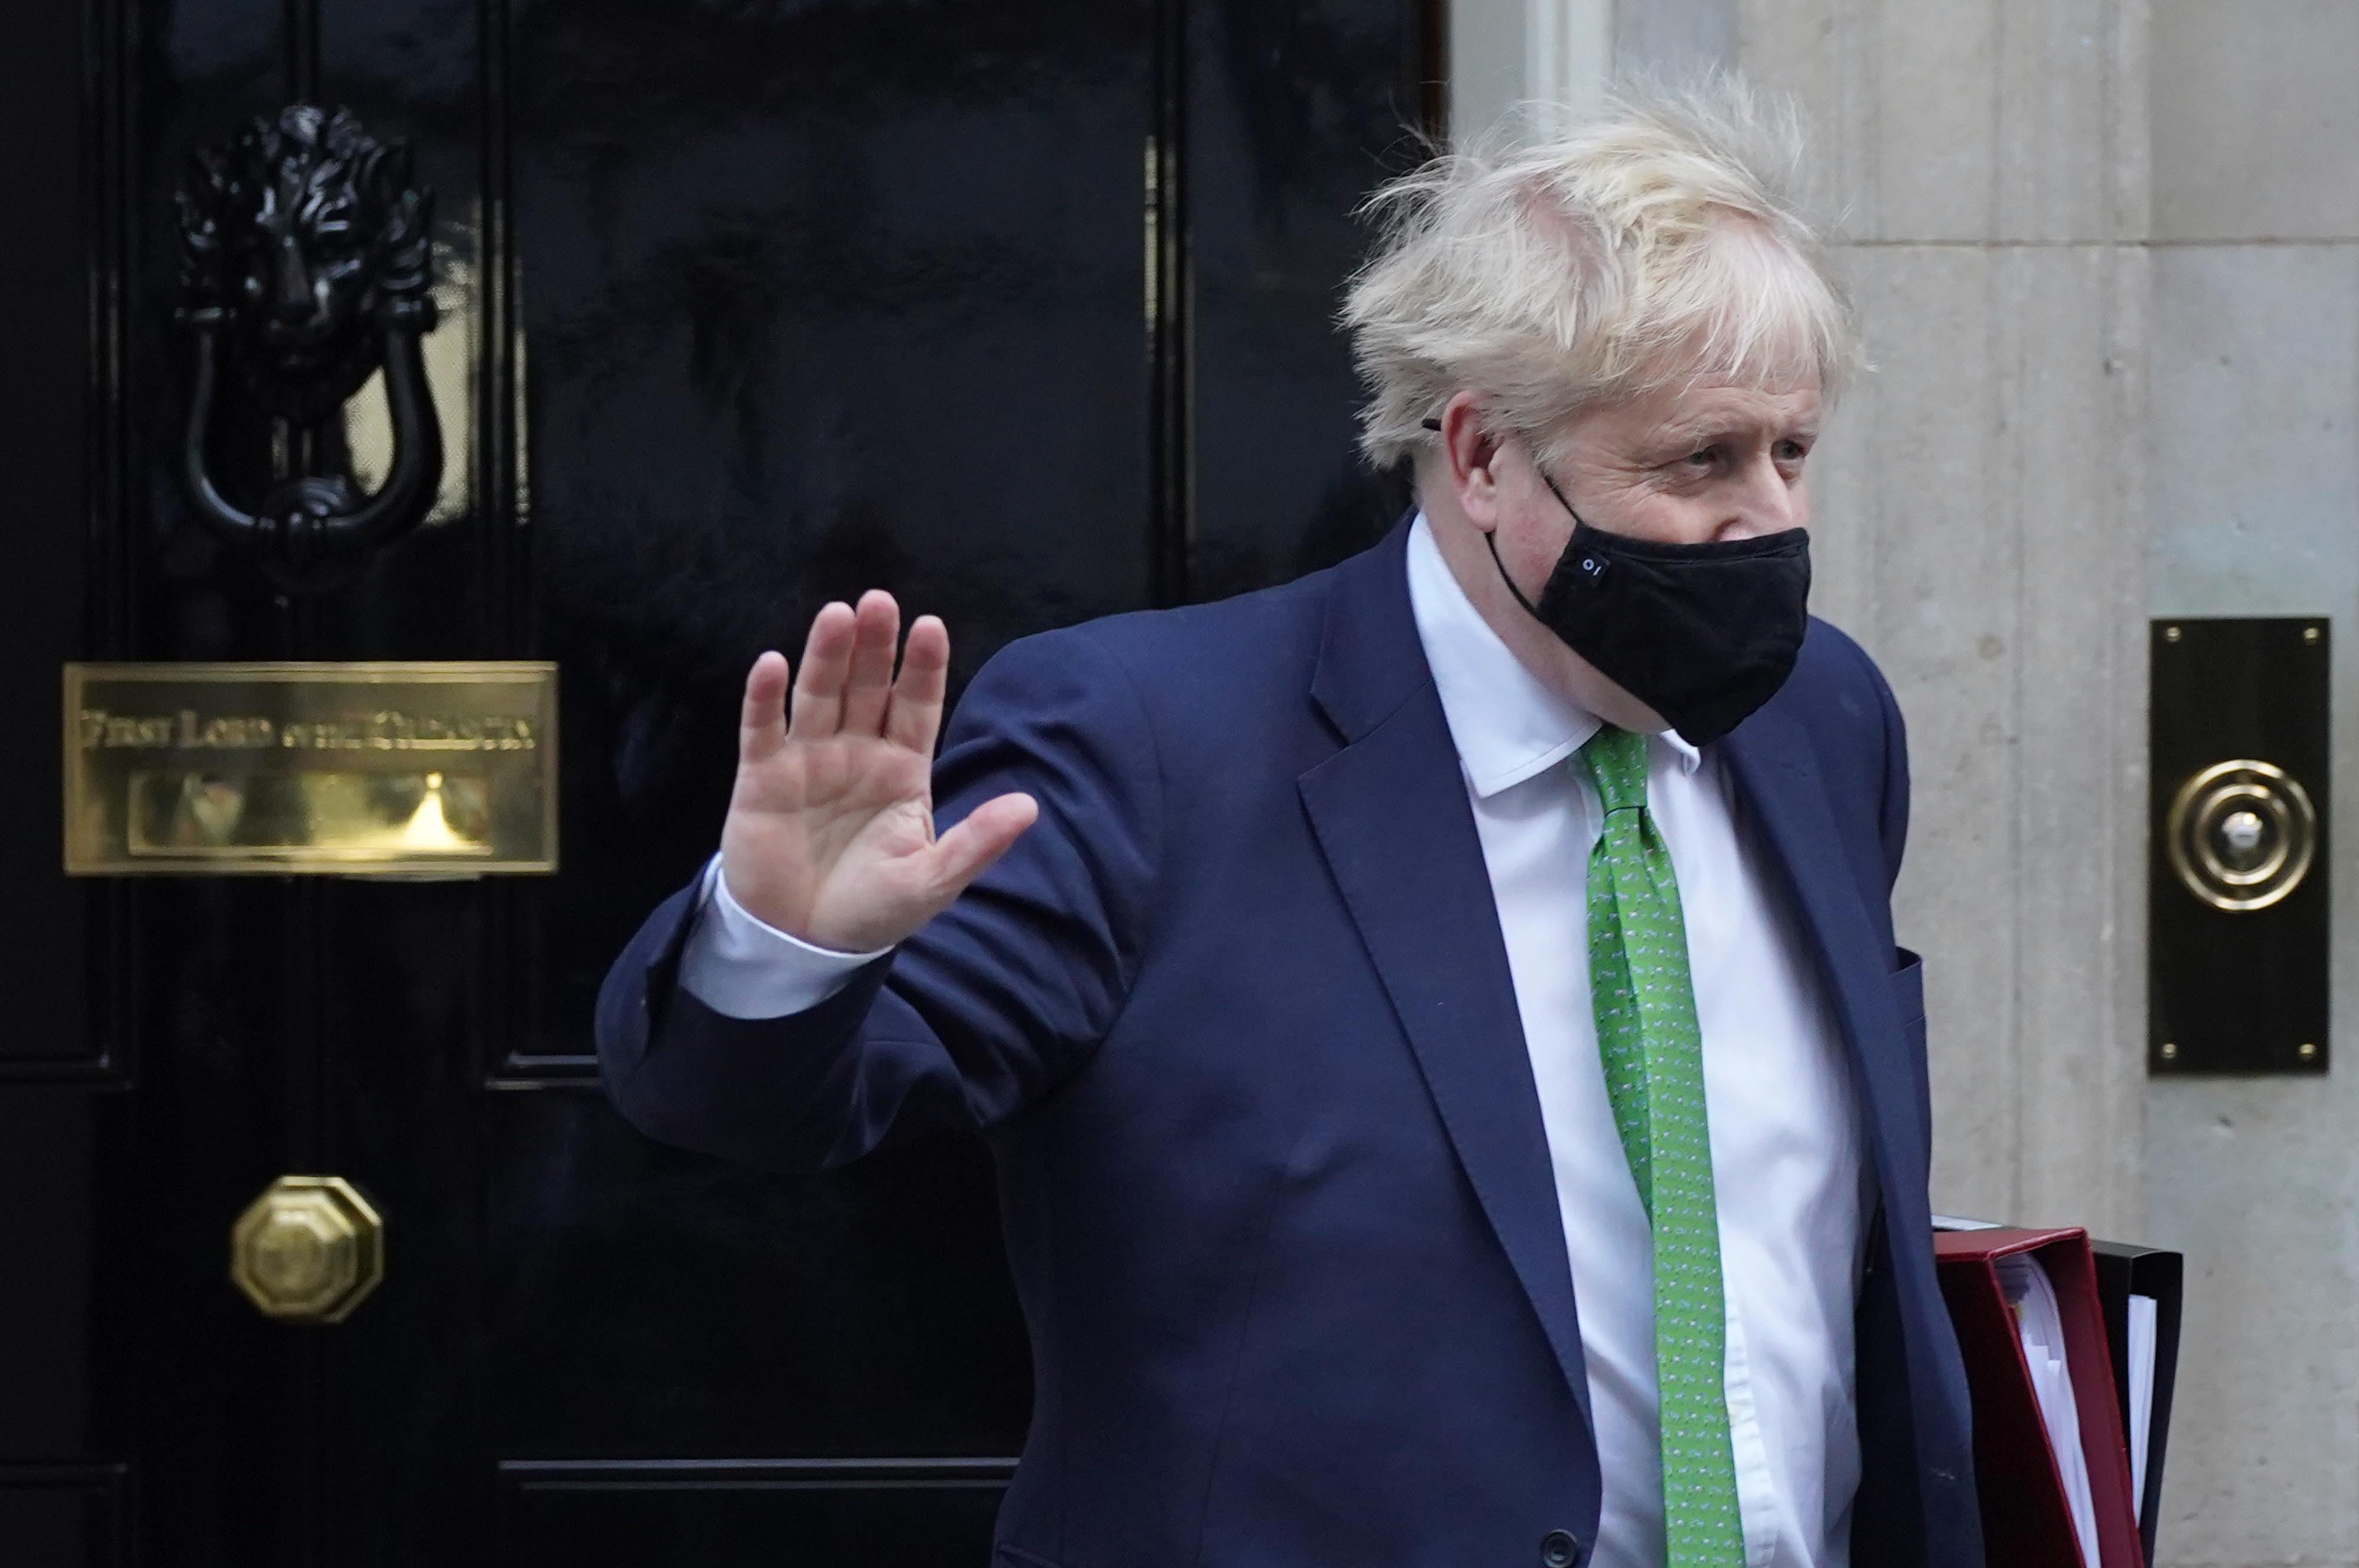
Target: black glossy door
point(1019, 308)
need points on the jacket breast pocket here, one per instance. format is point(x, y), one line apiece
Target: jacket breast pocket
point(1909, 994)
point(1909, 984)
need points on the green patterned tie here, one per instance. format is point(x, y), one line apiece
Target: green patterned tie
point(1653, 1054)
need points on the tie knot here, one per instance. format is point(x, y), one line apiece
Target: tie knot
point(1617, 763)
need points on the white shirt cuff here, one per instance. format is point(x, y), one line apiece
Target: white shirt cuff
point(742, 968)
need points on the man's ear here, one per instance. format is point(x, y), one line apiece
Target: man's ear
point(1468, 452)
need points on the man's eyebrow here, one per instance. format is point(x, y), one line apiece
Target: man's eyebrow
point(1701, 430)
point(1696, 430)
point(1681, 431)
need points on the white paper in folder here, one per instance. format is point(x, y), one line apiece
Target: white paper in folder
point(2033, 1297)
point(2143, 1315)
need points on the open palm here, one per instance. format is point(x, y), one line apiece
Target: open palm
point(830, 829)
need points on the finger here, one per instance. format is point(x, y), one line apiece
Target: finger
point(915, 716)
point(967, 851)
point(818, 685)
point(762, 725)
point(875, 634)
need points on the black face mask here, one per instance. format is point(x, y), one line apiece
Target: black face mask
point(1704, 633)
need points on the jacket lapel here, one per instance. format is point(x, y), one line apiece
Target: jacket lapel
point(1777, 775)
point(1391, 815)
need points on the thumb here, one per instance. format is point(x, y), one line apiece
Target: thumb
point(967, 851)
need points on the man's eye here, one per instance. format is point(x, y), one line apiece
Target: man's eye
point(1792, 452)
point(1704, 457)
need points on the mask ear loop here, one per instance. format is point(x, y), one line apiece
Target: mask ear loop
point(1529, 608)
point(1491, 538)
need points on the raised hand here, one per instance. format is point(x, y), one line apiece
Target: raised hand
point(830, 829)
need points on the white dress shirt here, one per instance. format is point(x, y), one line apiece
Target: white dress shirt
point(1786, 1150)
point(1785, 1142)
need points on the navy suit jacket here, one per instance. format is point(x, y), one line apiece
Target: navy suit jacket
point(1235, 1018)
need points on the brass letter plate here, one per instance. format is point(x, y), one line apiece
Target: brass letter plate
point(342, 768)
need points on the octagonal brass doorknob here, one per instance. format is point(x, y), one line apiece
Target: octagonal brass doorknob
point(309, 1250)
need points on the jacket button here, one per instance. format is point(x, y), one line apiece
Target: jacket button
point(1559, 1550)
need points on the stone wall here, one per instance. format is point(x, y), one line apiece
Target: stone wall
point(2253, 481)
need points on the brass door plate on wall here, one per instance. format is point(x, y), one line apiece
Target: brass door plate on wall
point(2237, 894)
point(442, 769)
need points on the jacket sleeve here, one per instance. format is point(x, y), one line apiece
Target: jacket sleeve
point(975, 1018)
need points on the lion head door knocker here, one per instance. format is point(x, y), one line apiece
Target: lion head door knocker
point(307, 265)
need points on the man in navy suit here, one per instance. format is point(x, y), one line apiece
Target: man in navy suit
point(1456, 1095)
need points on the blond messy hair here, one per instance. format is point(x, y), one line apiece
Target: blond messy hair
point(1660, 243)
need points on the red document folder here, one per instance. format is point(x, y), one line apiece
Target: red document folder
point(2026, 1520)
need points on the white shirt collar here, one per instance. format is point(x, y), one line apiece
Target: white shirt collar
point(1507, 725)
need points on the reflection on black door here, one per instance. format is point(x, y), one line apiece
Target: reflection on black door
point(1021, 309)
